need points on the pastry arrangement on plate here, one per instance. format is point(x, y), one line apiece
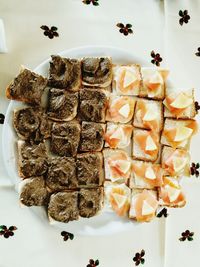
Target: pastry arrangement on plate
point(99, 137)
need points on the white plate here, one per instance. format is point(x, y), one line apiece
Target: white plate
point(105, 223)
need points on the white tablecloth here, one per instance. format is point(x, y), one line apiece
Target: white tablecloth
point(155, 27)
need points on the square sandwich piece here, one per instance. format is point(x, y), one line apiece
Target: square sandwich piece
point(32, 159)
point(93, 105)
point(126, 79)
point(33, 192)
point(145, 175)
point(117, 165)
point(65, 73)
point(145, 145)
point(97, 71)
point(118, 135)
point(89, 167)
point(61, 174)
point(27, 87)
point(92, 136)
point(65, 138)
point(148, 115)
point(154, 80)
point(175, 161)
point(171, 194)
point(120, 109)
point(117, 198)
point(62, 105)
point(179, 104)
point(178, 133)
point(63, 207)
point(144, 204)
point(90, 202)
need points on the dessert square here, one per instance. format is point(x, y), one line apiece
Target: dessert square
point(154, 83)
point(65, 138)
point(175, 161)
point(120, 109)
point(117, 165)
point(144, 204)
point(126, 79)
point(145, 145)
point(97, 71)
point(65, 73)
point(33, 192)
point(61, 174)
point(179, 104)
point(171, 194)
point(90, 202)
point(63, 206)
point(178, 133)
point(118, 135)
point(93, 105)
point(148, 115)
point(92, 136)
point(90, 169)
point(145, 175)
point(27, 87)
point(62, 105)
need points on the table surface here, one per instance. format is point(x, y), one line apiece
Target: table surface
point(156, 26)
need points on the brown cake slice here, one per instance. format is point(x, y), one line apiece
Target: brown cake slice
point(63, 206)
point(61, 174)
point(33, 192)
point(93, 105)
point(90, 202)
point(65, 73)
point(62, 105)
point(31, 124)
point(65, 138)
point(92, 136)
point(97, 71)
point(27, 87)
point(90, 169)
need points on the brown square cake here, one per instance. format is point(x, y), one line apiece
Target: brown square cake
point(27, 87)
point(65, 73)
point(90, 202)
point(92, 136)
point(62, 105)
point(90, 169)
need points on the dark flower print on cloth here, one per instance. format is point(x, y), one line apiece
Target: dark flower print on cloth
point(184, 17)
point(139, 258)
point(187, 235)
point(67, 235)
point(198, 52)
point(156, 58)
point(50, 32)
point(194, 169)
point(162, 213)
point(94, 2)
point(197, 106)
point(125, 29)
point(2, 118)
point(93, 263)
point(7, 232)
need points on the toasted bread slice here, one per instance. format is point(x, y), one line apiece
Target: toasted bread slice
point(175, 161)
point(149, 115)
point(27, 87)
point(127, 79)
point(153, 83)
point(144, 204)
point(145, 175)
point(178, 133)
point(145, 145)
point(97, 72)
point(179, 104)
